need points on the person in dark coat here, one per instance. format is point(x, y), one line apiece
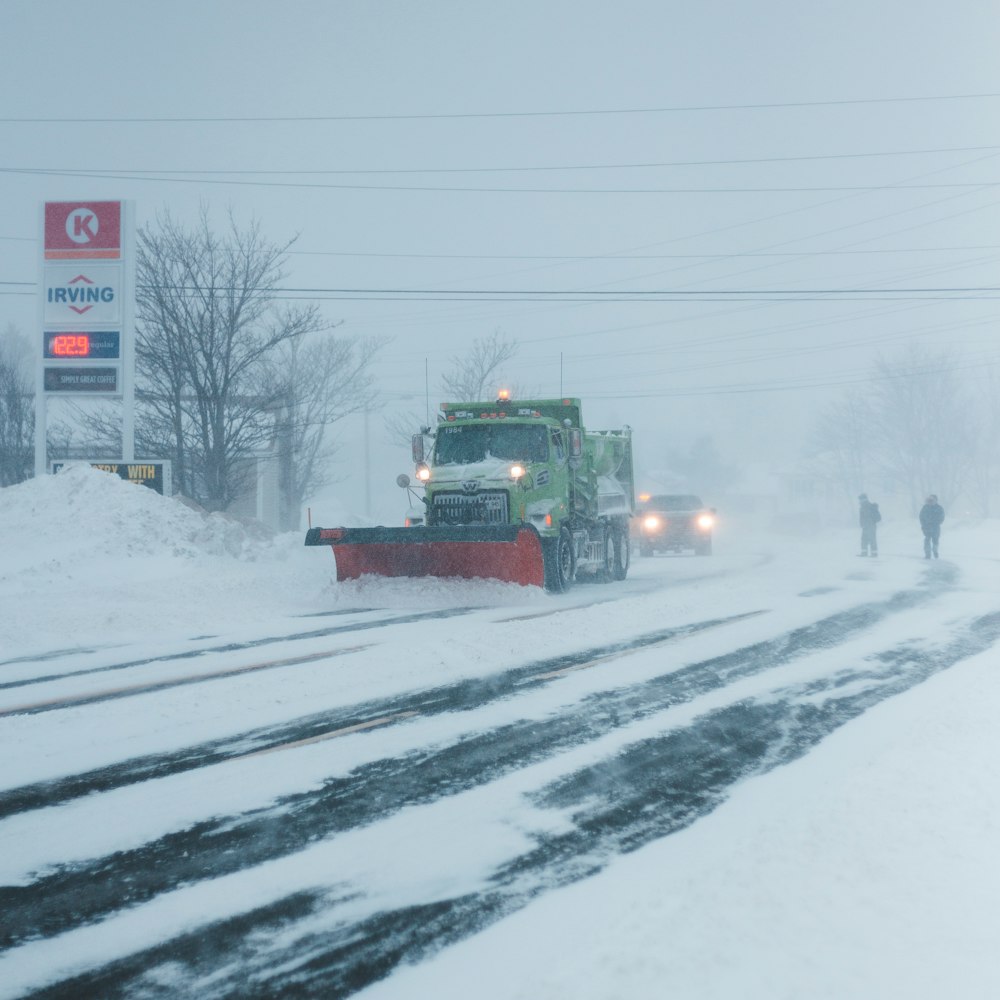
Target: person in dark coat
point(931, 516)
point(869, 517)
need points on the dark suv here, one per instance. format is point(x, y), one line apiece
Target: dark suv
point(672, 522)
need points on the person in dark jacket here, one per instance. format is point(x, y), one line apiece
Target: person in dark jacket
point(869, 517)
point(931, 516)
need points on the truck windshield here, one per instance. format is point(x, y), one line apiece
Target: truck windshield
point(474, 443)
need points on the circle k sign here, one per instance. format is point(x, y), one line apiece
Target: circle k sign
point(82, 225)
point(83, 230)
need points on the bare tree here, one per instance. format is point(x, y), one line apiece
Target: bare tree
point(475, 376)
point(17, 408)
point(400, 427)
point(208, 320)
point(911, 432)
point(316, 384)
point(924, 439)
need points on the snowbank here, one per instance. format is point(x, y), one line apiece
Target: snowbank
point(88, 558)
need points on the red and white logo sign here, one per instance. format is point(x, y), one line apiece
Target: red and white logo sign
point(90, 230)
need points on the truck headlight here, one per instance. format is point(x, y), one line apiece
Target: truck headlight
point(705, 521)
point(423, 472)
point(651, 523)
point(517, 471)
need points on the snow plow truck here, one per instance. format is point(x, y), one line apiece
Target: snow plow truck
point(516, 491)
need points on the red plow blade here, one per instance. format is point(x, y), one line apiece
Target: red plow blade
point(510, 553)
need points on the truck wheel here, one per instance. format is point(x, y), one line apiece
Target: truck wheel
point(623, 555)
point(560, 565)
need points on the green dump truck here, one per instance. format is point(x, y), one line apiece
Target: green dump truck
point(514, 490)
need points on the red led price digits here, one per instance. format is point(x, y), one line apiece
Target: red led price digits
point(71, 345)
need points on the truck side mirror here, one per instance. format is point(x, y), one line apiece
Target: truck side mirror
point(575, 442)
point(403, 480)
point(417, 447)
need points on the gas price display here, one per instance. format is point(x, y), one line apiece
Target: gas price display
point(103, 345)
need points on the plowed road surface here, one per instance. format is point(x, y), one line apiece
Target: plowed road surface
point(296, 811)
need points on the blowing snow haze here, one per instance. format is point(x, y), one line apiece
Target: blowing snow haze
point(763, 237)
point(707, 223)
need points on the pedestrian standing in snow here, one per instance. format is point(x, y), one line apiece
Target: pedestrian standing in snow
point(869, 517)
point(931, 516)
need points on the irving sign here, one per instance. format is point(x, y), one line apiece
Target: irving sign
point(82, 295)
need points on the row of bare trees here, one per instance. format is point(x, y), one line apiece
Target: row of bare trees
point(926, 422)
point(228, 369)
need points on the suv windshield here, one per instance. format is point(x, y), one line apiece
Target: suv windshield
point(467, 444)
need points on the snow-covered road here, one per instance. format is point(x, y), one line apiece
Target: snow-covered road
point(338, 780)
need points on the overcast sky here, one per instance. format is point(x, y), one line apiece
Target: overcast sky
point(569, 149)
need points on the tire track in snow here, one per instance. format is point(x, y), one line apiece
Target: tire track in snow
point(297, 947)
point(224, 845)
point(460, 696)
point(230, 647)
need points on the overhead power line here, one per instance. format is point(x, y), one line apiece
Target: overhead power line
point(637, 256)
point(241, 172)
point(161, 178)
point(623, 256)
point(599, 293)
point(595, 295)
point(566, 113)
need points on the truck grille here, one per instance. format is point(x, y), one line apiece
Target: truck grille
point(488, 507)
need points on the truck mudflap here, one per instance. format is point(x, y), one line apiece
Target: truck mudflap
point(511, 553)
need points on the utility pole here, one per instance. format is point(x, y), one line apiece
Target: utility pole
point(368, 467)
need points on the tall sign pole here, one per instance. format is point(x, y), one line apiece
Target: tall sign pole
point(87, 311)
point(41, 400)
point(128, 331)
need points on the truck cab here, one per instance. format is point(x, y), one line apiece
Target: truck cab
point(532, 463)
